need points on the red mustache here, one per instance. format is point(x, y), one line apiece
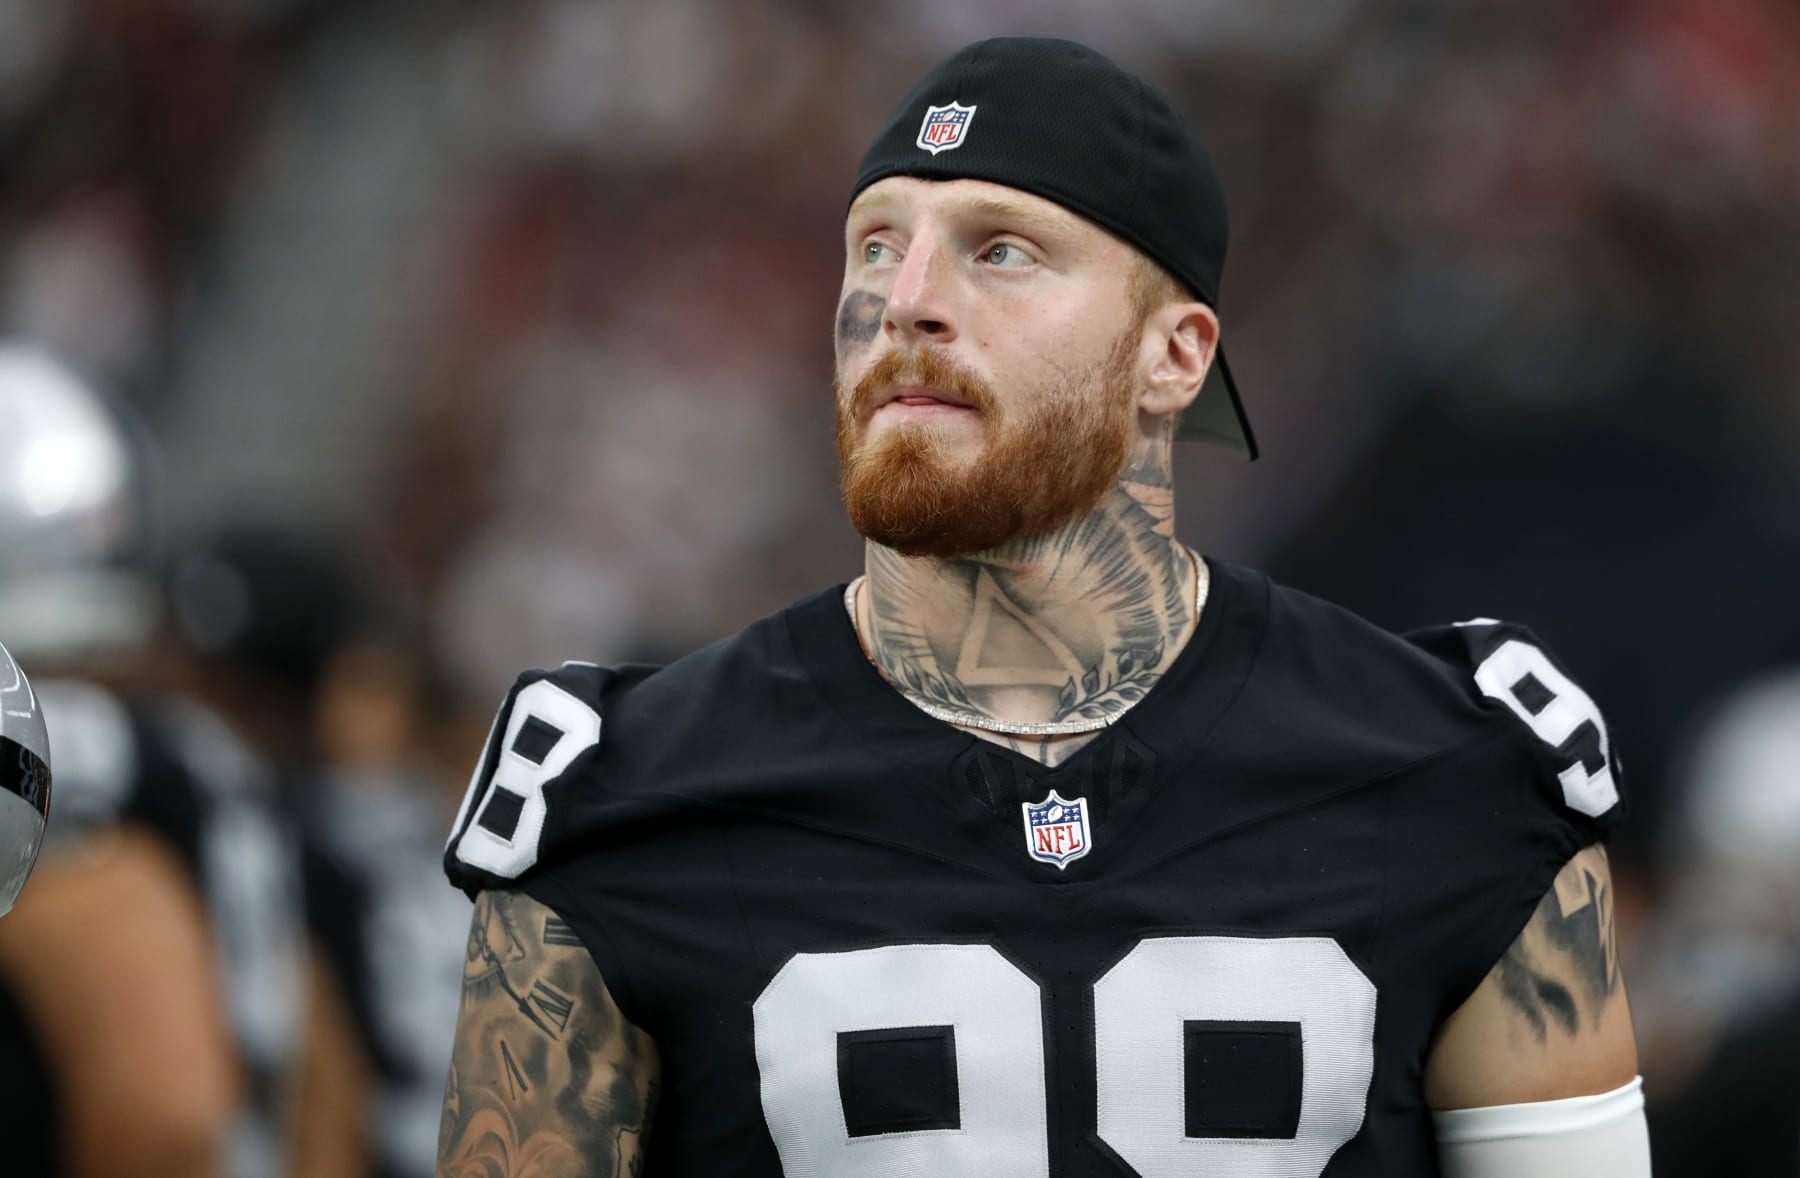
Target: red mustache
point(928, 369)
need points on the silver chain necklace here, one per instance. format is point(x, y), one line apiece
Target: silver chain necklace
point(962, 719)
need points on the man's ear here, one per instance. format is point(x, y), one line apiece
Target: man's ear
point(1180, 340)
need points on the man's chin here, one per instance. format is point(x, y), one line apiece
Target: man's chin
point(917, 502)
point(953, 494)
point(951, 437)
point(919, 449)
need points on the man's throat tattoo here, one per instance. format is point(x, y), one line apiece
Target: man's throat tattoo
point(975, 642)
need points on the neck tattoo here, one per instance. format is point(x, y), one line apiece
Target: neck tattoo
point(970, 719)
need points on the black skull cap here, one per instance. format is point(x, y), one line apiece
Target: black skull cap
point(1061, 121)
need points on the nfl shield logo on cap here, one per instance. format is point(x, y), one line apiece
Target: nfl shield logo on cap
point(945, 127)
point(1056, 830)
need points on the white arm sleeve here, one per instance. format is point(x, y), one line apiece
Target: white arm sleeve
point(1602, 1136)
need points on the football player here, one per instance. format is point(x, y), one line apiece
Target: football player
point(154, 999)
point(1046, 846)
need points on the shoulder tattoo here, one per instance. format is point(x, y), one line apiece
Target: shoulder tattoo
point(1564, 969)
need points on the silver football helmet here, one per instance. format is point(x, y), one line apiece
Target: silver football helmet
point(72, 576)
point(24, 780)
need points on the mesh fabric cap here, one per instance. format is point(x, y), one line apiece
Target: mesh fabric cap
point(1058, 120)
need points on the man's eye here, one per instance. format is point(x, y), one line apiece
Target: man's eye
point(1002, 254)
point(875, 252)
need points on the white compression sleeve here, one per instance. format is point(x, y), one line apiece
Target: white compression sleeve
point(1602, 1136)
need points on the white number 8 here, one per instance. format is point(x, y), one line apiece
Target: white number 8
point(547, 730)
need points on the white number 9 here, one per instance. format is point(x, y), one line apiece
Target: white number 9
point(1555, 720)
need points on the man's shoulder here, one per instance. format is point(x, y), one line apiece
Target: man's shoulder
point(95, 750)
point(1430, 679)
point(155, 759)
point(1485, 763)
point(736, 670)
point(1434, 660)
point(109, 748)
point(1356, 692)
point(583, 754)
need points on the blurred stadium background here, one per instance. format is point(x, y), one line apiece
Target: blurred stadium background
point(522, 311)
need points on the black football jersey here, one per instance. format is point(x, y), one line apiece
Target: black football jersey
point(174, 769)
point(1217, 940)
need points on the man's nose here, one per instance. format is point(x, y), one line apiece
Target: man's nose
point(919, 305)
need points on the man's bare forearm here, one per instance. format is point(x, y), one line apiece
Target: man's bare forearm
point(548, 1079)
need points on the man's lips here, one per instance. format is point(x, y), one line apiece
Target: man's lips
point(919, 397)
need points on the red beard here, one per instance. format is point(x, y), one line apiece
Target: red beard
point(1044, 465)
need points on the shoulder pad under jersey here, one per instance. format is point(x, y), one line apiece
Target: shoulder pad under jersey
point(1509, 668)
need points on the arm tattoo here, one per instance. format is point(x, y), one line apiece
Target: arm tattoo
point(547, 1079)
point(1564, 968)
point(859, 319)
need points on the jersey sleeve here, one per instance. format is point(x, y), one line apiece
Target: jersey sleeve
point(1480, 839)
point(548, 809)
point(535, 794)
point(1577, 767)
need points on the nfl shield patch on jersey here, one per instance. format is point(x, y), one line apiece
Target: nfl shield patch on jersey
point(1056, 829)
point(945, 127)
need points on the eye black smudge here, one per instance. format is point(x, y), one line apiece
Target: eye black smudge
point(859, 319)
